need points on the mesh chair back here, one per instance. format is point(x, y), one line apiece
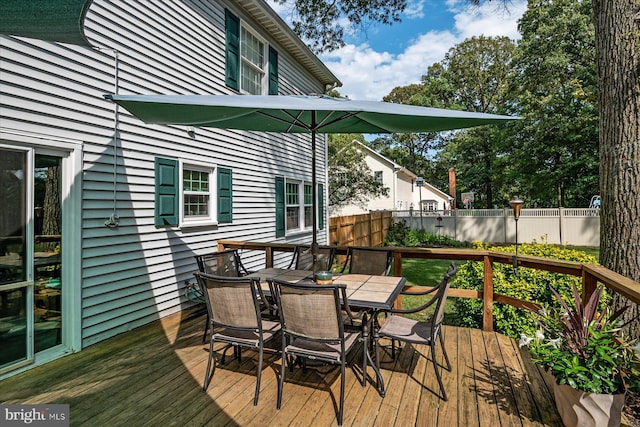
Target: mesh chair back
point(231, 301)
point(309, 311)
point(370, 261)
point(225, 263)
point(304, 258)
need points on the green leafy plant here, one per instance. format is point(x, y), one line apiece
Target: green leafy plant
point(584, 347)
point(527, 284)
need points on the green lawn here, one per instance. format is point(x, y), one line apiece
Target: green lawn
point(425, 272)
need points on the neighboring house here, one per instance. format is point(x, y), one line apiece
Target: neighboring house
point(404, 194)
point(102, 214)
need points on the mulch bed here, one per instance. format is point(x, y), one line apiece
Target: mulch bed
point(632, 408)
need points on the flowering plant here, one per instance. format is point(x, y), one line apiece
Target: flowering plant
point(584, 348)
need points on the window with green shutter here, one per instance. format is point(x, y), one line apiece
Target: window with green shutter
point(251, 65)
point(192, 194)
point(167, 192)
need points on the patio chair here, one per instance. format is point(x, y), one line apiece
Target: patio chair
point(224, 263)
point(312, 329)
point(303, 259)
point(235, 319)
point(412, 331)
point(375, 261)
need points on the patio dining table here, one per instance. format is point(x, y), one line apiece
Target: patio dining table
point(369, 292)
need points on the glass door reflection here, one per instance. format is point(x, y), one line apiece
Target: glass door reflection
point(47, 254)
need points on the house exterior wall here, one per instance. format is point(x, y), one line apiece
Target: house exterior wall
point(135, 273)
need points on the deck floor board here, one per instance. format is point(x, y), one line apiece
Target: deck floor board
point(153, 376)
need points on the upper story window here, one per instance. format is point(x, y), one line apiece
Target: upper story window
point(251, 66)
point(377, 175)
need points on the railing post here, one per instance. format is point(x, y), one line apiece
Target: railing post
point(589, 285)
point(487, 295)
point(268, 257)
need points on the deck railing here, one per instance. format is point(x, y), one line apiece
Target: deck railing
point(591, 273)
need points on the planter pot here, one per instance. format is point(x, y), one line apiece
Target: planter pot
point(578, 408)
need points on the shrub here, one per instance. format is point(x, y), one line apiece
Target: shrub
point(401, 235)
point(527, 285)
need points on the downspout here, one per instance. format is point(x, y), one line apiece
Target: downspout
point(114, 220)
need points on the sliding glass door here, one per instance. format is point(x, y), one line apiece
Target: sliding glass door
point(31, 287)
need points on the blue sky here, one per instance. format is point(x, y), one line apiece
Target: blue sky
point(373, 63)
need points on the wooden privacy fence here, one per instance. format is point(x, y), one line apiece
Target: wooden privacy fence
point(591, 274)
point(360, 230)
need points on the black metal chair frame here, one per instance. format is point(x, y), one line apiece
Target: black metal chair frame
point(353, 252)
point(236, 335)
point(298, 345)
point(201, 260)
point(413, 331)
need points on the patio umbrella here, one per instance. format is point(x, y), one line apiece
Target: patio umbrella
point(298, 114)
point(51, 20)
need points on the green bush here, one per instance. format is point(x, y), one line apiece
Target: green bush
point(401, 235)
point(527, 285)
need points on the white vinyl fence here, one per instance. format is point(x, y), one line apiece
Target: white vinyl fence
point(566, 226)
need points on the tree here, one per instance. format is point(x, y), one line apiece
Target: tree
point(617, 25)
point(351, 181)
point(556, 84)
point(322, 22)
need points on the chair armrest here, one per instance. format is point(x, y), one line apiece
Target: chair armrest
point(411, 310)
point(427, 292)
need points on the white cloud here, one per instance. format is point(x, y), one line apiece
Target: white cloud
point(369, 74)
point(414, 9)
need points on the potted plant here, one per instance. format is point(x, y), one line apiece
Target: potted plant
point(592, 361)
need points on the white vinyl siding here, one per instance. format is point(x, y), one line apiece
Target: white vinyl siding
point(134, 274)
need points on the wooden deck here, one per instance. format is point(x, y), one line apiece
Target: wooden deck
point(153, 376)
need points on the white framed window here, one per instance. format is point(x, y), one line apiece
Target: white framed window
point(197, 194)
point(377, 175)
point(253, 62)
point(308, 205)
point(298, 205)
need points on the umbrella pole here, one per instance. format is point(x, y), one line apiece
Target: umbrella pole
point(314, 191)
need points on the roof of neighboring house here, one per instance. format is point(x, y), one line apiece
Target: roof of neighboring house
point(283, 34)
point(398, 168)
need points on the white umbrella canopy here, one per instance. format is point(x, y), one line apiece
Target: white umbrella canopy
point(298, 114)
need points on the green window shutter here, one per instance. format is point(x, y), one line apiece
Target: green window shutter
point(224, 195)
point(167, 192)
point(280, 207)
point(273, 71)
point(321, 206)
point(232, 53)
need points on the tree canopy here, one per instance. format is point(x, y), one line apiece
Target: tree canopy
point(351, 181)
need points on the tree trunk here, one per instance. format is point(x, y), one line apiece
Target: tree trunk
point(617, 25)
point(51, 223)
